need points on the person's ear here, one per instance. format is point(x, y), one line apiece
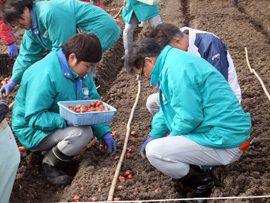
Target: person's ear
point(72, 59)
point(151, 60)
point(26, 10)
point(147, 60)
point(176, 42)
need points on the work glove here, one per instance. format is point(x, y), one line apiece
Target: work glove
point(12, 50)
point(111, 144)
point(69, 124)
point(7, 88)
point(144, 145)
point(235, 2)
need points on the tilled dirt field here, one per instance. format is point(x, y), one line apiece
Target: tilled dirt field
point(246, 25)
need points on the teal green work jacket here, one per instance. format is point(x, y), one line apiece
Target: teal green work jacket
point(141, 10)
point(197, 102)
point(54, 22)
point(35, 112)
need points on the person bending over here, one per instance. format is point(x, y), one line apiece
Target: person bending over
point(200, 43)
point(49, 24)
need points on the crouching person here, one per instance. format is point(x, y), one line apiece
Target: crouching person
point(62, 75)
point(199, 110)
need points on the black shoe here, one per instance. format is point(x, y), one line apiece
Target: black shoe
point(96, 81)
point(200, 181)
point(50, 165)
point(56, 176)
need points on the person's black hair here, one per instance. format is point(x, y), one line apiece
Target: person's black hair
point(86, 47)
point(12, 10)
point(140, 49)
point(164, 33)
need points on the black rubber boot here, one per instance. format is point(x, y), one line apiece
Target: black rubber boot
point(50, 165)
point(200, 181)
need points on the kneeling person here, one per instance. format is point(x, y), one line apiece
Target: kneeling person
point(61, 76)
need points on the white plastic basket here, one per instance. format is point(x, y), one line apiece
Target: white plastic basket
point(86, 118)
point(150, 2)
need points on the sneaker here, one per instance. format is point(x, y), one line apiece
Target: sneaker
point(96, 81)
point(123, 58)
point(143, 23)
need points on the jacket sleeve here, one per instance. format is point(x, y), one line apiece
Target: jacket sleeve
point(37, 110)
point(5, 33)
point(30, 52)
point(185, 102)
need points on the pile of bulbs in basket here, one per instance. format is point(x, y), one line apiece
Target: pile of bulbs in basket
point(93, 106)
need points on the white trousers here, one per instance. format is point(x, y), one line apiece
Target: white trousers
point(130, 27)
point(9, 161)
point(152, 103)
point(69, 141)
point(173, 155)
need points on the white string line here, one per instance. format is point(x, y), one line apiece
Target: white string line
point(255, 73)
point(185, 199)
point(118, 168)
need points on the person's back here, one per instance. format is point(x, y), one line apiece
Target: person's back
point(50, 24)
point(62, 17)
point(200, 93)
point(200, 43)
point(212, 48)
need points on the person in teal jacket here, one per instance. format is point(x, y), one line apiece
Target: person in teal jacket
point(49, 24)
point(63, 75)
point(134, 12)
point(199, 110)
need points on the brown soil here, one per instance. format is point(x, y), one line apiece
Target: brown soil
point(245, 25)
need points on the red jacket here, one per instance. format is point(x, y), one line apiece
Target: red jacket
point(99, 4)
point(5, 32)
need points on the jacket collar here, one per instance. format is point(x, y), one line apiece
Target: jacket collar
point(159, 65)
point(34, 26)
point(67, 71)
